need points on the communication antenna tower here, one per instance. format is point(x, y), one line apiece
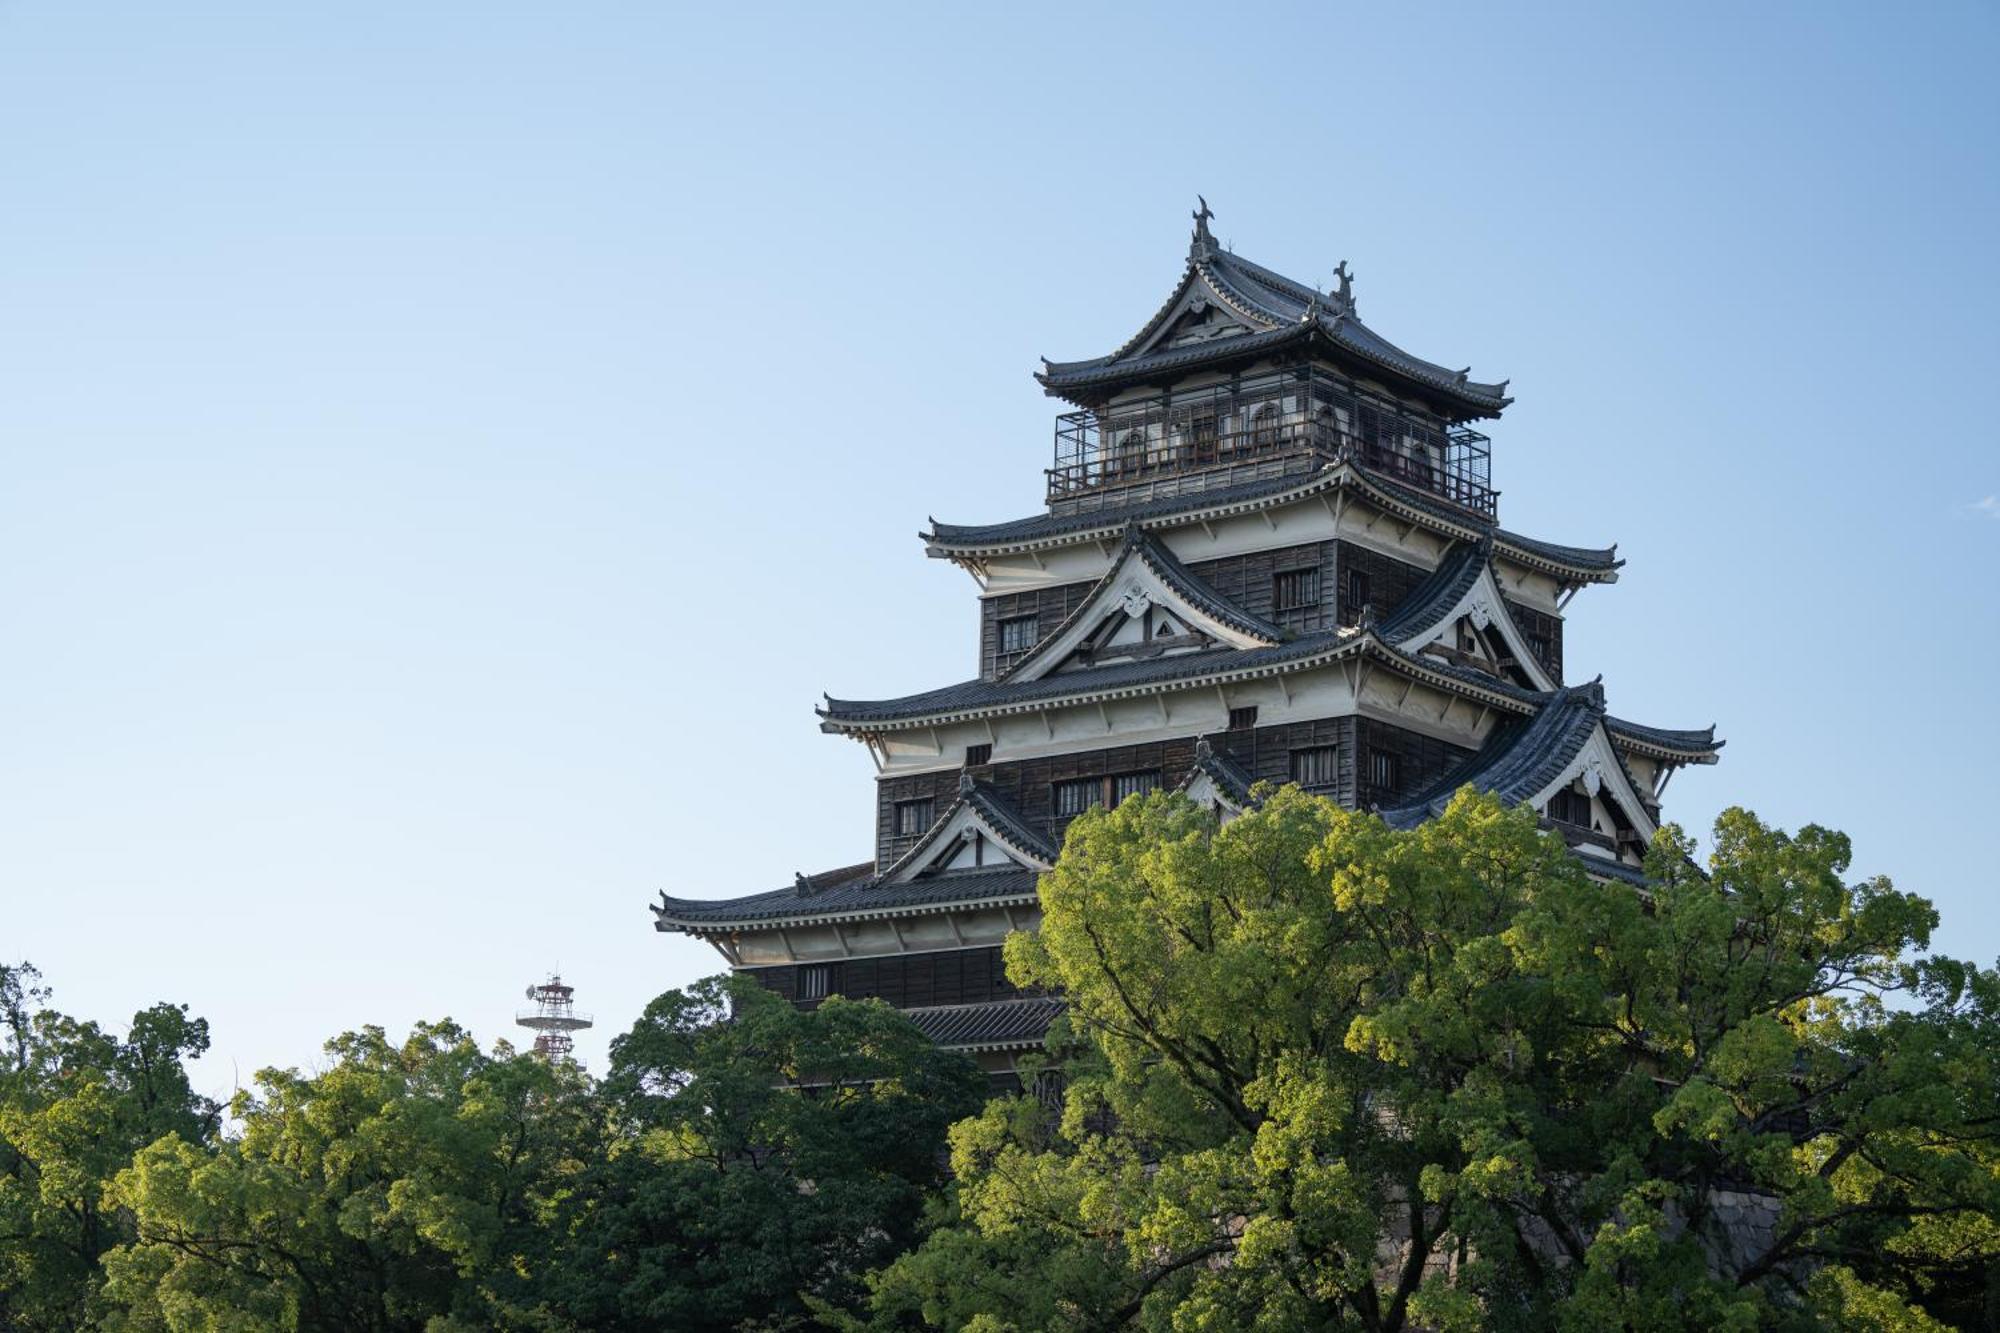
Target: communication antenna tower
point(554, 1018)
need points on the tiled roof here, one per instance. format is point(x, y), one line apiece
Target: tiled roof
point(1583, 562)
point(1433, 599)
point(1175, 575)
point(996, 1024)
point(978, 696)
point(1519, 758)
point(1287, 312)
point(853, 892)
point(1228, 776)
point(1002, 818)
point(1697, 747)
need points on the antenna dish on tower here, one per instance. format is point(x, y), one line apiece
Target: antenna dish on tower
point(553, 1019)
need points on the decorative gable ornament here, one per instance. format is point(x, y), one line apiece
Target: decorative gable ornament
point(1134, 601)
point(1593, 775)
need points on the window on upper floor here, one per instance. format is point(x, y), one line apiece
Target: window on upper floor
point(914, 817)
point(1242, 719)
point(1313, 768)
point(1076, 795)
point(1295, 589)
point(1570, 806)
point(1073, 796)
point(1385, 771)
point(978, 754)
point(1017, 633)
point(1354, 596)
point(815, 980)
point(1132, 784)
point(1264, 427)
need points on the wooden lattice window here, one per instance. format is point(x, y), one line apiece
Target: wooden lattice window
point(1313, 768)
point(1385, 771)
point(978, 754)
point(1570, 806)
point(1133, 784)
point(815, 981)
point(1077, 795)
point(1295, 589)
point(1264, 427)
point(1355, 595)
point(1242, 719)
point(913, 818)
point(1018, 633)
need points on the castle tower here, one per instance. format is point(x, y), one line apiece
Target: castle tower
point(1271, 551)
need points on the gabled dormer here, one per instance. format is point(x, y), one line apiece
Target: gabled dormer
point(978, 831)
point(1147, 605)
point(1457, 615)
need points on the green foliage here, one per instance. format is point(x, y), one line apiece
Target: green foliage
point(1333, 1075)
point(75, 1103)
point(760, 1167)
point(404, 1185)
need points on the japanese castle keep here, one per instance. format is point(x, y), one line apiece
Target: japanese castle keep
point(1271, 552)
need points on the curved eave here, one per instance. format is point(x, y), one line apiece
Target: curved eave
point(1091, 383)
point(666, 921)
point(1366, 645)
point(1571, 564)
point(1663, 745)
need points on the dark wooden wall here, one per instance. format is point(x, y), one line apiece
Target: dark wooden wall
point(1389, 581)
point(1548, 628)
point(906, 981)
point(1049, 606)
point(1420, 761)
point(1263, 752)
point(1247, 581)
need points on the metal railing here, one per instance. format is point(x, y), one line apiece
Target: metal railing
point(1270, 425)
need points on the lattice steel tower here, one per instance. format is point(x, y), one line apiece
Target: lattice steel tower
point(553, 1018)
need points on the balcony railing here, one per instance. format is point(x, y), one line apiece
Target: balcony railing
point(1257, 428)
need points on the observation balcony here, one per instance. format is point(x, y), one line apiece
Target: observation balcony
point(1291, 422)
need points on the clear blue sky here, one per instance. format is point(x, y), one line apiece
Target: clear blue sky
point(448, 448)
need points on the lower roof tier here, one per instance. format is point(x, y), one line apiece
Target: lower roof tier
point(1563, 747)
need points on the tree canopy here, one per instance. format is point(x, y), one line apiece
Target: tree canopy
point(1316, 1074)
point(1330, 1075)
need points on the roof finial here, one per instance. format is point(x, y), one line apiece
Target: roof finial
point(1203, 244)
point(1344, 296)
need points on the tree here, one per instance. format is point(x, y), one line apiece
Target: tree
point(75, 1102)
point(1330, 1075)
point(760, 1163)
point(408, 1186)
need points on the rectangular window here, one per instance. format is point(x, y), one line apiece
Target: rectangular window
point(1242, 719)
point(815, 981)
point(1385, 771)
point(1205, 435)
point(1570, 806)
point(1313, 769)
point(1541, 647)
point(1017, 634)
point(1356, 596)
point(1077, 795)
point(1132, 784)
point(978, 754)
point(1295, 589)
point(913, 817)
